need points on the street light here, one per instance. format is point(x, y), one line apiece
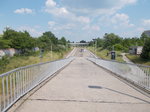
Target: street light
point(95, 40)
point(51, 51)
point(41, 54)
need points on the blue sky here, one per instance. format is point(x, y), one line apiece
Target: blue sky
point(76, 19)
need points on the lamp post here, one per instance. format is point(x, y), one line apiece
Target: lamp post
point(41, 54)
point(95, 45)
point(51, 51)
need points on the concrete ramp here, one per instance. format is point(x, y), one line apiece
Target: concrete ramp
point(85, 87)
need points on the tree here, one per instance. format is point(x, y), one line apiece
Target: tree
point(118, 47)
point(24, 42)
point(144, 36)
point(9, 34)
point(82, 41)
point(110, 40)
point(52, 37)
point(100, 42)
point(4, 44)
point(63, 41)
point(44, 42)
point(146, 50)
point(3, 62)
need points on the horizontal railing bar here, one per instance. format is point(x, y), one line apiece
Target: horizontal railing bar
point(28, 66)
point(124, 62)
point(16, 83)
point(135, 73)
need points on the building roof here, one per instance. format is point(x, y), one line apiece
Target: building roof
point(136, 46)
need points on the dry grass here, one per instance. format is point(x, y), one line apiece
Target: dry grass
point(20, 61)
point(136, 59)
point(102, 53)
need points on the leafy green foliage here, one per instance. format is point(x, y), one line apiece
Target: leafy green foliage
point(4, 44)
point(18, 40)
point(62, 41)
point(9, 34)
point(118, 47)
point(3, 62)
point(51, 36)
point(110, 41)
point(144, 37)
point(23, 42)
point(82, 41)
point(48, 41)
point(146, 49)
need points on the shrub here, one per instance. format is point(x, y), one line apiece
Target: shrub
point(3, 62)
point(146, 50)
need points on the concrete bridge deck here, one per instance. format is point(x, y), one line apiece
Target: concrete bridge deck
point(84, 87)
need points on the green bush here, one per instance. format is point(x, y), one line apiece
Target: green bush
point(146, 50)
point(3, 62)
point(118, 47)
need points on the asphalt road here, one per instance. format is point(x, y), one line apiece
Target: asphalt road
point(84, 87)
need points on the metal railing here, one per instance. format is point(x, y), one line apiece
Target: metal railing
point(18, 82)
point(137, 74)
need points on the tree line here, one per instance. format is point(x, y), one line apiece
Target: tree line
point(24, 42)
point(112, 41)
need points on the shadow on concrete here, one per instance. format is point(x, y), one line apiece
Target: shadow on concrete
point(100, 87)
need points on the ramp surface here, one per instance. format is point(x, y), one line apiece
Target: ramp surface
point(85, 87)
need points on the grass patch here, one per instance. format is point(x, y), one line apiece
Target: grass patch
point(19, 61)
point(102, 53)
point(136, 59)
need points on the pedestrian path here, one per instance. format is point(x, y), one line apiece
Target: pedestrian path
point(84, 87)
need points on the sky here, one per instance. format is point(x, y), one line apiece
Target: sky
point(76, 19)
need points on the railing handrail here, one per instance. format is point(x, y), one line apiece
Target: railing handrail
point(16, 83)
point(124, 62)
point(135, 73)
point(28, 66)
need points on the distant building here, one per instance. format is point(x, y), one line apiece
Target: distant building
point(2, 53)
point(36, 49)
point(78, 44)
point(135, 49)
point(8, 52)
point(147, 32)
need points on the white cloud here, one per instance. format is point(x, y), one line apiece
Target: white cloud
point(96, 6)
point(146, 22)
point(86, 16)
point(51, 23)
point(140, 29)
point(62, 12)
point(83, 19)
point(23, 11)
point(50, 3)
point(95, 27)
point(57, 11)
point(32, 30)
point(128, 1)
point(59, 27)
point(122, 20)
point(120, 17)
point(91, 27)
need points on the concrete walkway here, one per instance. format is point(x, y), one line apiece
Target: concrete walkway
point(85, 87)
point(126, 59)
